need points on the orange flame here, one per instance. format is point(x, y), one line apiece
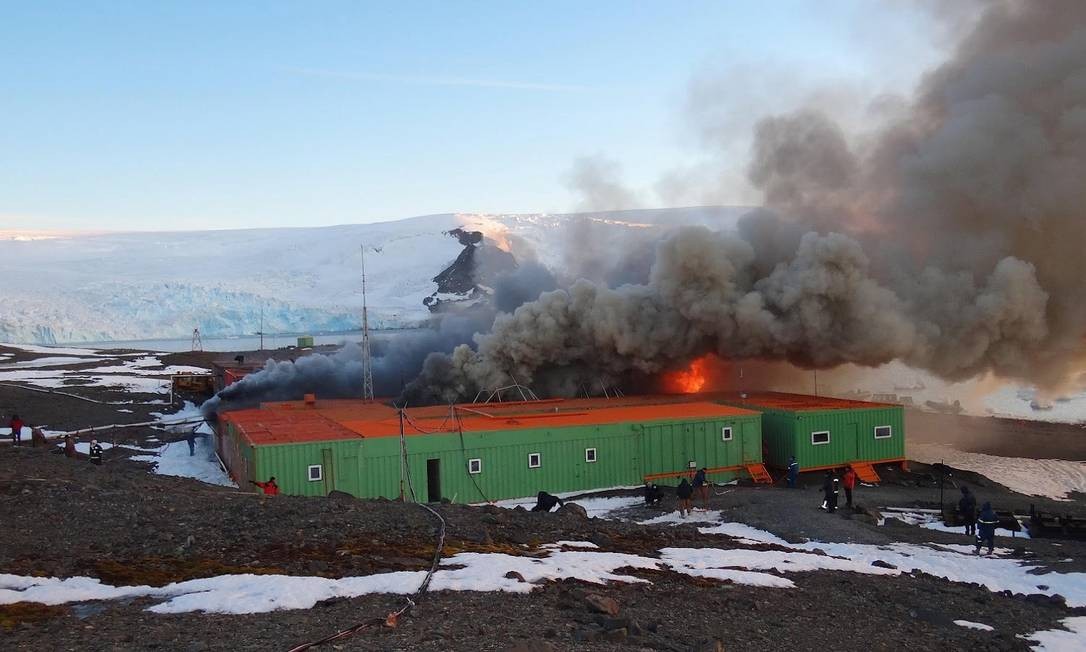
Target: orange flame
point(690, 380)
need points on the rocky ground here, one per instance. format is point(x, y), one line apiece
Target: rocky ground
point(125, 526)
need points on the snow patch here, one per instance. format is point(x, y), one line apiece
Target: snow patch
point(1073, 639)
point(971, 625)
point(1050, 478)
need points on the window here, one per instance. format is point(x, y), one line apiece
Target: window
point(883, 432)
point(315, 473)
point(726, 434)
point(820, 437)
point(535, 460)
point(590, 455)
point(475, 466)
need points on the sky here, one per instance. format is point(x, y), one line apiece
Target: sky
point(194, 115)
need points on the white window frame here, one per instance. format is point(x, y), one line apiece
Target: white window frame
point(590, 459)
point(727, 434)
point(309, 473)
point(820, 432)
point(538, 460)
point(889, 432)
point(475, 466)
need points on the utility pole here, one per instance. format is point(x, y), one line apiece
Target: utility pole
point(261, 331)
point(367, 362)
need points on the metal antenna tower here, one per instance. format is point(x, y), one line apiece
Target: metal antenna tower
point(197, 343)
point(367, 361)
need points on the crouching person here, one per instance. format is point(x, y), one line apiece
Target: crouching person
point(270, 488)
point(545, 502)
point(653, 494)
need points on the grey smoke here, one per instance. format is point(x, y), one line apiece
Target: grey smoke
point(950, 239)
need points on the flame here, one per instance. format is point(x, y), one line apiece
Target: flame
point(690, 380)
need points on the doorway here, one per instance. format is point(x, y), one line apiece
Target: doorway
point(433, 481)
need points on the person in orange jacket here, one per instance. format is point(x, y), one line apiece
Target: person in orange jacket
point(848, 481)
point(269, 487)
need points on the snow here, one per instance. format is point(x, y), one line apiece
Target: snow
point(174, 459)
point(1050, 478)
point(596, 506)
point(930, 521)
point(48, 362)
point(971, 625)
point(1073, 639)
point(54, 350)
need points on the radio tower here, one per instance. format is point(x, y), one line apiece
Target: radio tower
point(367, 362)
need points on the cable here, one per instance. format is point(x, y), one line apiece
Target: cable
point(464, 456)
point(391, 619)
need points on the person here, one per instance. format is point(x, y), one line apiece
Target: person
point(16, 425)
point(191, 438)
point(684, 491)
point(830, 488)
point(95, 452)
point(69, 447)
point(701, 487)
point(269, 487)
point(967, 510)
point(848, 481)
point(545, 502)
point(37, 437)
point(986, 527)
point(653, 494)
point(793, 472)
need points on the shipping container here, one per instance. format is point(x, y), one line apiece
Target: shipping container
point(305, 342)
point(477, 453)
point(823, 432)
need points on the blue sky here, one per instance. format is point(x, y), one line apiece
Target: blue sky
point(166, 115)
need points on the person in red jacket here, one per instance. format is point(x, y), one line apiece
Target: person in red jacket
point(16, 429)
point(269, 487)
point(848, 481)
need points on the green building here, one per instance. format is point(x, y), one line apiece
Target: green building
point(824, 433)
point(485, 452)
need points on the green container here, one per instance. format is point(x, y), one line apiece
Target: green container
point(305, 342)
point(503, 464)
point(821, 438)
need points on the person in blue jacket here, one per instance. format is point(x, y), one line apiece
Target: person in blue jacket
point(986, 527)
point(793, 472)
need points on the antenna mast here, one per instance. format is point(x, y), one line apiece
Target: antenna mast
point(367, 362)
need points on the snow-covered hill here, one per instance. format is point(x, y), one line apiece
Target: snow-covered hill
point(66, 287)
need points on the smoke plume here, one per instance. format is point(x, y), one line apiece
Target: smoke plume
point(950, 240)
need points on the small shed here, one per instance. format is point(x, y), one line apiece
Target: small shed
point(824, 432)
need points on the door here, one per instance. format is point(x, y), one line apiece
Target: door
point(329, 471)
point(852, 443)
point(433, 480)
point(751, 442)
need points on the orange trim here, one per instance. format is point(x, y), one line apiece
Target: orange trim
point(677, 474)
point(828, 467)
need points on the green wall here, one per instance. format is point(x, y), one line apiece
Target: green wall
point(625, 453)
point(852, 436)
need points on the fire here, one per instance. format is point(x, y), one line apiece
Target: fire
point(690, 380)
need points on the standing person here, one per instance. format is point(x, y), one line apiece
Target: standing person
point(830, 488)
point(37, 437)
point(848, 481)
point(793, 472)
point(269, 487)
point(683, 492)
point(16, 425)
point(69, 447)
point(95, 452)
point(986, 527)
point(967, 510)
point(191, 439)
point(701, 487)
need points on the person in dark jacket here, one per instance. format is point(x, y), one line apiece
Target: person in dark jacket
point(967, 511)
point(701, 487)
point(684, 491)
point(69, 447)
point(793, 472)
point(653, 494)
point(848, 481)
point(16, 425)
point(545, 502)
point(95, 452)
point(191, 439)
point(270, 488)
point(986, 527)
point(831, 486)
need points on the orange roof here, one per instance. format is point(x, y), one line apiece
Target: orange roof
point(795, 402)
point(282, 423)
